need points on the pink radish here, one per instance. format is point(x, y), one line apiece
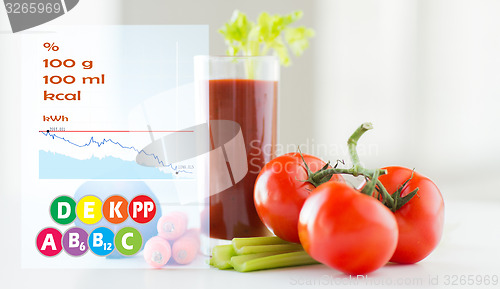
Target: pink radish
point(185, 249)
point(172, 225)
point(157, 252)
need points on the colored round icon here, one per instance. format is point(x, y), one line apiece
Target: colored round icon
point(142, 209)
point(63, 210)
point(48, 242)
point(101, 241)
point(75, 241)
point(115, 209)
point(128, 241)
point(88, 210)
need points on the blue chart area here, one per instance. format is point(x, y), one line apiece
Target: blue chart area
point(54, 165)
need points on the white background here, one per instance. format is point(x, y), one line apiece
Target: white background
point(426, 73)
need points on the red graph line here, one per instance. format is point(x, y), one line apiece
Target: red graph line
point(115, 131)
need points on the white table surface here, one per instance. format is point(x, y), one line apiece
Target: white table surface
point(469, 248)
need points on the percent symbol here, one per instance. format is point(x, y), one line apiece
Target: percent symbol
point(51, 46)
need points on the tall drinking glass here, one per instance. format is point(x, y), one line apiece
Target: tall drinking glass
point(243, 91)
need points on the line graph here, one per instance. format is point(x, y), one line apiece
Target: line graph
point(149, 131)
point(113, 165)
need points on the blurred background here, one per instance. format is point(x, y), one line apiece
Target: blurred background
point(426, 73)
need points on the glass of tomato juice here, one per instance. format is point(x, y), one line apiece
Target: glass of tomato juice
point(244, 91)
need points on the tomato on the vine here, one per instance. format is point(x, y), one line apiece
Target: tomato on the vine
point(420, 221)
point(347, 230)
point(280, 192)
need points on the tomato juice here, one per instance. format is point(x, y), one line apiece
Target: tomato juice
point(253, 105)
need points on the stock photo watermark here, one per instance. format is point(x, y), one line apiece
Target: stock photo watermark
point(330, 152)
point(440, 280)
point(311, 146)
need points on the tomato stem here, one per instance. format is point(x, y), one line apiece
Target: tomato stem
point(357, 169)
point(371, 185)
point(388, 199)
point(394, 202)
point(401, 201)
point(324, 175)
point(352, 142)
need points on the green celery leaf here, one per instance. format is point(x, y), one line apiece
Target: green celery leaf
point(236, 32)
point(270, 32)
point(298, 39)
point(281, 51)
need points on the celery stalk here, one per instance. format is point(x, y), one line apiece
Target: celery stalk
point(238, 243)
point(278, 248)
point(253, 262)
point(240, 259)
point(259, 253)
point(221, 256)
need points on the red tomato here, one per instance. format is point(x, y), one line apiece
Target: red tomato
point(420, 221)
point(346, 230)
point(279, 193)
